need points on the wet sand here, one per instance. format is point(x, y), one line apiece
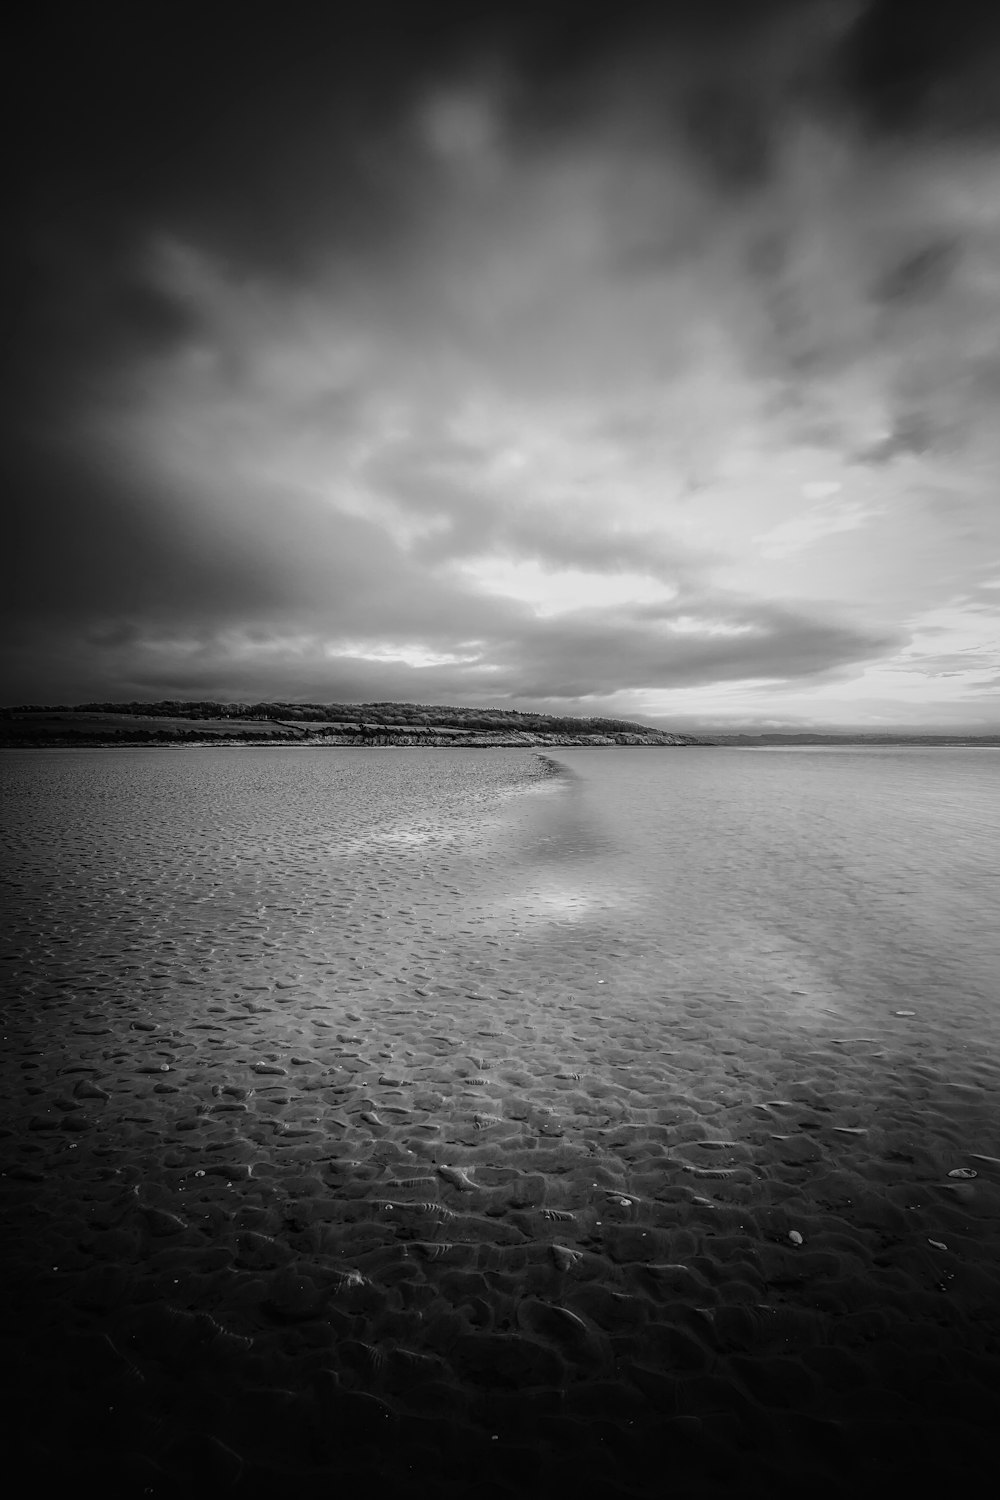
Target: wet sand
point(385, 1214)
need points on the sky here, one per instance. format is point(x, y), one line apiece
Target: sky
point(631, 359)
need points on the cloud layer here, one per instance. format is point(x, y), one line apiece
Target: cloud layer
point(588, 361)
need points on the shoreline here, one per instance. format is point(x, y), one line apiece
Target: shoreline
point(332, 742)
point(324, 1167)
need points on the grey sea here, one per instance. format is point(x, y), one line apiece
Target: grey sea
point(503, 1123)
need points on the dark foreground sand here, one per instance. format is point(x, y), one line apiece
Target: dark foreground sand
point(397, 1237)
point(405, 1171)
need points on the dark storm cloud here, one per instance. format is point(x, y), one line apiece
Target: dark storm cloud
point(503, 651)
point(919, 275)
point(259, 258)
point(575, 663)
point(913, 432)
point(581, 657)
point(276, 137)
point(923, 67)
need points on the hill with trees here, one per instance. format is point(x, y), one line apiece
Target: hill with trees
point(172, 721)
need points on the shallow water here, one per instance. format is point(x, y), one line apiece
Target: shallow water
point(865, 878)
point(519, 1072)
point(868, 879)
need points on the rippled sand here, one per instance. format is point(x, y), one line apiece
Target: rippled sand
point(351, 1144)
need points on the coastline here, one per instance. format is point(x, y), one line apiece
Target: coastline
point(344, 742)
point(374, 738)
point(316, 726)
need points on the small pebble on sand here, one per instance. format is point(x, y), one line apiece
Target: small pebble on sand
point(457, 1178)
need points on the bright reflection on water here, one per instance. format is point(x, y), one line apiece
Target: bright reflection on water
point(860, 878)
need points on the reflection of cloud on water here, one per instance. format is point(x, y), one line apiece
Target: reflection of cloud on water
point(561, 902)
point(565, 827)
point(484, 811)
point(403, 838)
point(571, 845)
point(399, 839)
point(558, 861)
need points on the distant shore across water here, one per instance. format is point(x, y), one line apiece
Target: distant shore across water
point(407, 725)
point(312, 724)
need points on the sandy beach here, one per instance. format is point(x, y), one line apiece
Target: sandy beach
point(394, 1217)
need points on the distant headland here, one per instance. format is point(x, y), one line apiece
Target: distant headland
point(173, 722)
point(181, 722)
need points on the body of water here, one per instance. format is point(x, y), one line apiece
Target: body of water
point(864, 878)
point(443, 1112)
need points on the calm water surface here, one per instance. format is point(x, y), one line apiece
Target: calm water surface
point(821, 883)
point(864, 878)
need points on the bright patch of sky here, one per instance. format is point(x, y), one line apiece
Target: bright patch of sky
point(558, 591)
